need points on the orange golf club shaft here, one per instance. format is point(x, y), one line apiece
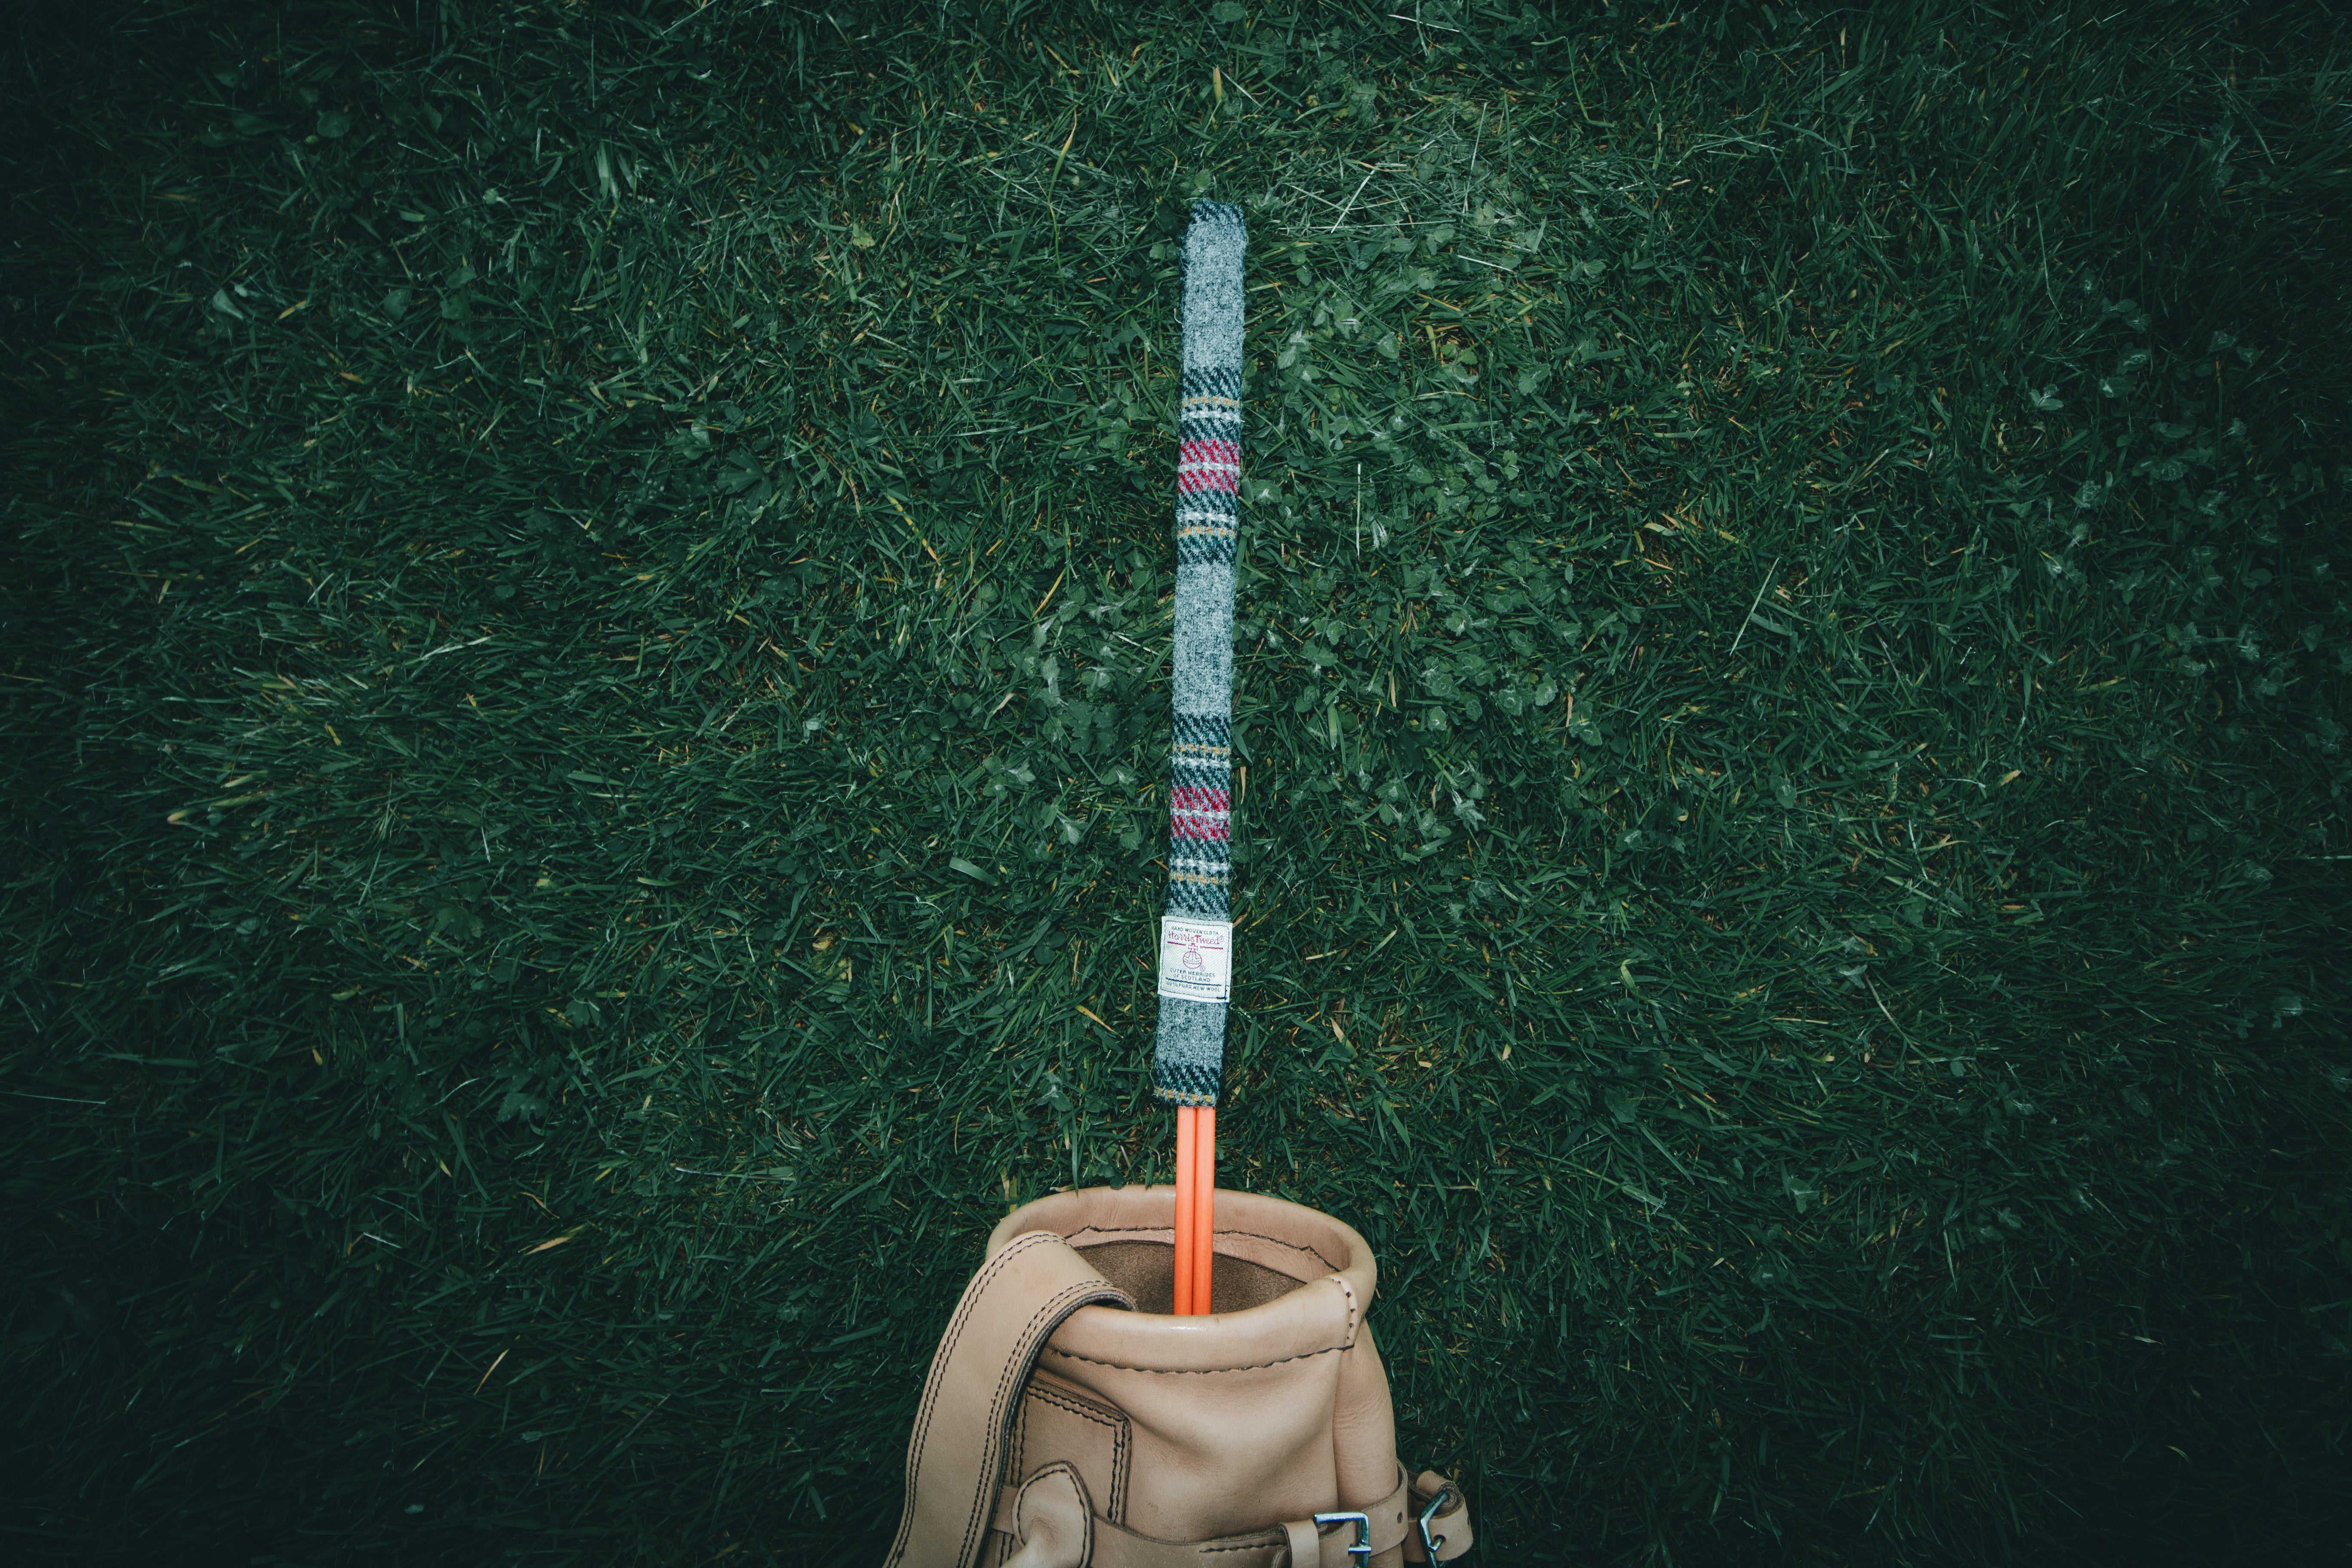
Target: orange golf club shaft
point(1186, 1118)
point(1205, 1206)
point(1196, 1207)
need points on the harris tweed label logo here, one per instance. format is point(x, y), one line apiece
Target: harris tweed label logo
point(1196, 959)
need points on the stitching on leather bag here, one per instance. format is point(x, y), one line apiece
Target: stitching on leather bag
point(964, 1309)
point(1260, 1541)
point(1060, 1304)
point(1315, 1253)
point(934, 1387)
point(1192, 1371)
point(1254, 1366)
point(946, 1355)
point(1086, 1409)
point(1086, 1505)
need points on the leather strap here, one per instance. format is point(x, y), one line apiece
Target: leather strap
point(956, 1456)
point(1450, 1526)
point(1053, 1521)
point(1296, 1543)
point(1389, 1525)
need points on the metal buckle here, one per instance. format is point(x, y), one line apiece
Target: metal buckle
point(1429, 1544)
point(1361, 1550)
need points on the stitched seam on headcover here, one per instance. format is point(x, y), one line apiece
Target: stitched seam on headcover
point(932, 1390)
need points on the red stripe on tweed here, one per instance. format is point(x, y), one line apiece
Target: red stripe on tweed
point(1198, 814)
point(1208, 465)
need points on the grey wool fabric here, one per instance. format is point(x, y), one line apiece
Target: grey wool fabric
point(1189, 1065)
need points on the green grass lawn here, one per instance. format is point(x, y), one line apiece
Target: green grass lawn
point(586, 614)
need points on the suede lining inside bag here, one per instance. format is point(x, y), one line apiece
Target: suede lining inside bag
point(1070, 1420)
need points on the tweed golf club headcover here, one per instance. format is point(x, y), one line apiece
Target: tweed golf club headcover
point(1189, 1065)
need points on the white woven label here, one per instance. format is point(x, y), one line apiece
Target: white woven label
point(1196, 959)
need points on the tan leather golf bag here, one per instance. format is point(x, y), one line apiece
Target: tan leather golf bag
point(1071, 1421)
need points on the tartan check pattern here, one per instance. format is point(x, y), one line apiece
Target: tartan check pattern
point(1188, 1065)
